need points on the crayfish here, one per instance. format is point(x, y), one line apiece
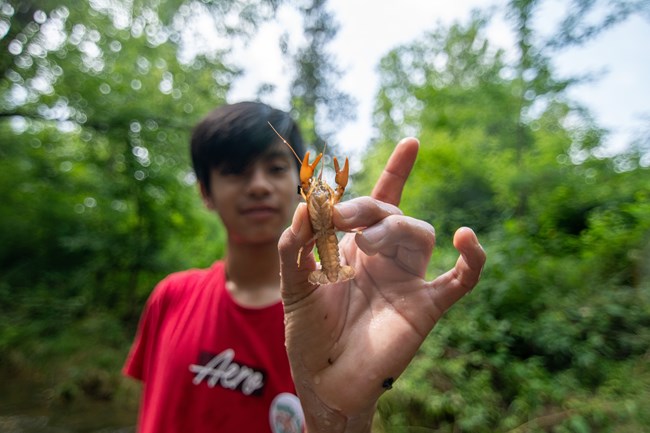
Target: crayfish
point(321, 198)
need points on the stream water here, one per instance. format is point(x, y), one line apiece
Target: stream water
point(25, 408)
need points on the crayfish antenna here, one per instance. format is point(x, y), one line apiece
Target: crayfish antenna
point(322, 166)
point(285, 142)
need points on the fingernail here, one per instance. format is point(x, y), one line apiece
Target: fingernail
point(347, 211)
point(405, 139)
point(373, 234)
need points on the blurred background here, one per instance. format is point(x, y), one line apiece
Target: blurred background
point(535, 128)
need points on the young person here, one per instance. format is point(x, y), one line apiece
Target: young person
point(210, 347)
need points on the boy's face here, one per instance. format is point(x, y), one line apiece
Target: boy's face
point(256, 204)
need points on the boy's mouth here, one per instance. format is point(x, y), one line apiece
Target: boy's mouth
point(259, 211)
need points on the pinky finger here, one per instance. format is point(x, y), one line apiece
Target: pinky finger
point(449, 287)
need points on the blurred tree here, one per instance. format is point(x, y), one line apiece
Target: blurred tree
point(586, 19)
point(96, 104)
point(316, 102)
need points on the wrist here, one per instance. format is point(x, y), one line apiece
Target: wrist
point(322, 419)
point(349, 425)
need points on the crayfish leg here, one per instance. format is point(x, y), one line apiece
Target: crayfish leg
point(302, 248)
point(299, 254)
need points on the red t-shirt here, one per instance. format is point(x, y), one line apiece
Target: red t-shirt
point(209, 364)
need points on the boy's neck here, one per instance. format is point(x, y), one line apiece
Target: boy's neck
point(253, 273)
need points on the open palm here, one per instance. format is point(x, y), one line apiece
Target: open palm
point(347, 342)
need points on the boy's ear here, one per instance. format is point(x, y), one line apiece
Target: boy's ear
point(207, 200)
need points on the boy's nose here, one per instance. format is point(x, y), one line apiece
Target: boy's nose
point(258, 184)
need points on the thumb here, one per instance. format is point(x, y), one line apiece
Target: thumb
point(295, 244)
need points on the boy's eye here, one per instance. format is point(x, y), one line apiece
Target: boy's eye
point(231, 171)
point(278, 167)
point(231, 168)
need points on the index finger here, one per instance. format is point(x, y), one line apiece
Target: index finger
point(390, 184)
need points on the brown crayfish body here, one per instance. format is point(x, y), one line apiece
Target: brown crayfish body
point(321, 198)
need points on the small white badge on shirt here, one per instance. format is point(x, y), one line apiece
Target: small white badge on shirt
point(285, 414)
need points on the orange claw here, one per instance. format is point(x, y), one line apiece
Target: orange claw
point(341, 178)
point(307, 171)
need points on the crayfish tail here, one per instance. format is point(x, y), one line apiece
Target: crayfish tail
point(346, 273)
point(322, 277)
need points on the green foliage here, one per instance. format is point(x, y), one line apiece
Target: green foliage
point(563, 308)
point(99, 202)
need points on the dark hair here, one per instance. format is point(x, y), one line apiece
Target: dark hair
point(232, 136)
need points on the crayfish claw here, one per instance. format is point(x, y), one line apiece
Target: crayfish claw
point(307, 171)
point(341, 178)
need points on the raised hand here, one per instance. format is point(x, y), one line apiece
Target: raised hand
point(348, 342)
